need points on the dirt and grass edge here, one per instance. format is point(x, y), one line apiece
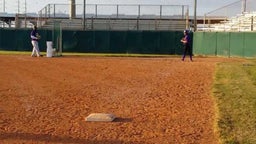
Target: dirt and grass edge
point(233, 93)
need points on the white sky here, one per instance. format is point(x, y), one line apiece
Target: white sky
point(33, 6)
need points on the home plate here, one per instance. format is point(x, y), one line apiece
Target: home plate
point(100, 117)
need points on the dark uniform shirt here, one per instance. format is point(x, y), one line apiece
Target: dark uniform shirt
point(33, 35)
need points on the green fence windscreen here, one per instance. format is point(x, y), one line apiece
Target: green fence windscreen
point(223, 43)
point(133, 41)
point(249, 44)
point(198, 43)
point(167, 43)
point(237, 44)
point(19, 39)
point(117, 42)
point(152, 42)
point(205, 43)
point(228, 44)
point(210, 43)
point(144, 42)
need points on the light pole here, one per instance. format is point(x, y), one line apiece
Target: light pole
point(72, 13)
point(18, 6)
point(243, 6)
point(25, 13)
point(195, 20)
point(84, 21)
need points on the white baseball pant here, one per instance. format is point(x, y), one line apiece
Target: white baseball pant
point(36, 51)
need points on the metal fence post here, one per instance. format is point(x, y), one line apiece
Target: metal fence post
point(187, 19)
point(252, 24)
point(182, 11)
point(54, 10)
point(84, 16)
point(117, 10)
point(138, 23)
point(49, 10)
point(138, 11)
point(161, 11)
point(195, 20)
point(96, 11)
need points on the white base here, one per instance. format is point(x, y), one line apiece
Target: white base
point(100, 117)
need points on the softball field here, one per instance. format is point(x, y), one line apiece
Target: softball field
point(156, 100)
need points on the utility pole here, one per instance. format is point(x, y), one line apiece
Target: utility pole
point(243, 6)
point(195, 20)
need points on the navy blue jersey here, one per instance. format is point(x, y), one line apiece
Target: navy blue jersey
point(33, 35)
point(187, 37)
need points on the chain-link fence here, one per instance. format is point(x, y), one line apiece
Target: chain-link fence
point(121, 17)
point(115, 11)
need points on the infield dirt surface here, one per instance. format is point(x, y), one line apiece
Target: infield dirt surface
point(155, 100)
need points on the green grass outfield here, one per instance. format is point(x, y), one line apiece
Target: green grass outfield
point(235, 96)
point(234, 91)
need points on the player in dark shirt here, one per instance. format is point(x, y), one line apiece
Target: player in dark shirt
point(34, 40)
point(186, 44)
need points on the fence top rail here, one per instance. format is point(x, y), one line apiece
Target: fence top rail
point(115, 9)
point(123, 5)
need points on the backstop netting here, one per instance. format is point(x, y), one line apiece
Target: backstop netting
point(57, 38)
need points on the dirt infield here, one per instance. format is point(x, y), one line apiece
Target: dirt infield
point(156, 100)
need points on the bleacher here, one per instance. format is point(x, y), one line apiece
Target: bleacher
point(116, 24)
point(241, 22)
point(115, 17)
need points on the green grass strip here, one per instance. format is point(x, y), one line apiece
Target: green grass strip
point(116, 55)
point(235, 94)
point(91, 54)
point(14, 53)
